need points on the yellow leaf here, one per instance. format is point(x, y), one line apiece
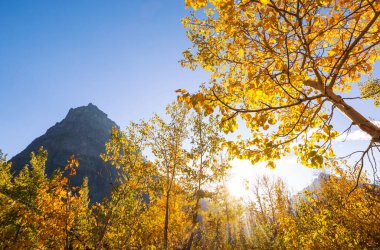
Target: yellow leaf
point(271, 165)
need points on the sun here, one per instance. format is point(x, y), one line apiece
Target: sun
point(237, 187)
point(238, 182)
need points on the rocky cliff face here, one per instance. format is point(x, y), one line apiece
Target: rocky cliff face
point(83, 133)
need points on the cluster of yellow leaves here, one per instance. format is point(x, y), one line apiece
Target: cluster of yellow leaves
point(126, 225)
point(196, 4)
point(40, 212)
point(72, 163)
point(370, 89)
point(275, 65)
point(331, 217)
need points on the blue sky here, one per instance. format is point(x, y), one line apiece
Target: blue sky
point(121, 55)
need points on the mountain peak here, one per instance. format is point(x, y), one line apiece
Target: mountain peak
point(84, 120)
point(83, 132)
point(90, 109)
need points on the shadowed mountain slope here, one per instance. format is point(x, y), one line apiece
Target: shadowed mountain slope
point(82, 133)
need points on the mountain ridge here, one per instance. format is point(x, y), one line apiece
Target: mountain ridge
point(83, 133)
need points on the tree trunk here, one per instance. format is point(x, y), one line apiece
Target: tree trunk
point(190, 242)
point(357, 119)
point(195, 222)
point(166, 226)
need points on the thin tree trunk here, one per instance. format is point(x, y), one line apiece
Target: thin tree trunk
point(195, 222)
point(195, 215)
point(166, 226)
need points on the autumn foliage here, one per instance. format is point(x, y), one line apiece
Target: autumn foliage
point(285, 67)
point(177, 198)
point(279, 68)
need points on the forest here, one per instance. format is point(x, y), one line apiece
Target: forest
point(280, 69)
point(180, 199)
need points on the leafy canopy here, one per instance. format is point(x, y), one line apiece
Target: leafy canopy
point(282, 66)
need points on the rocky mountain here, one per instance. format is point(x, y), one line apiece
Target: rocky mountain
point(82, 133)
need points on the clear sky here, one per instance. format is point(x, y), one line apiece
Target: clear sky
point(121, 55)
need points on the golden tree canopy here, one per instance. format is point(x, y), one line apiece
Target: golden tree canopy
point(282, 66)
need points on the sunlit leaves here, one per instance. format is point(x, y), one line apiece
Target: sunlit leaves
point(41, 212)
point(327, 217)
point(370, 89)
point(276, 65)
point(196, 4)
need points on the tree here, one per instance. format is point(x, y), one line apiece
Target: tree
point(18, 198)
point(122, 218)
point(203, 167)
point(327, 218)
point(268, 207)
point(167, 145)
point(282, 66)
point(222, 226)
point(41, 212)
point(162, 195)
